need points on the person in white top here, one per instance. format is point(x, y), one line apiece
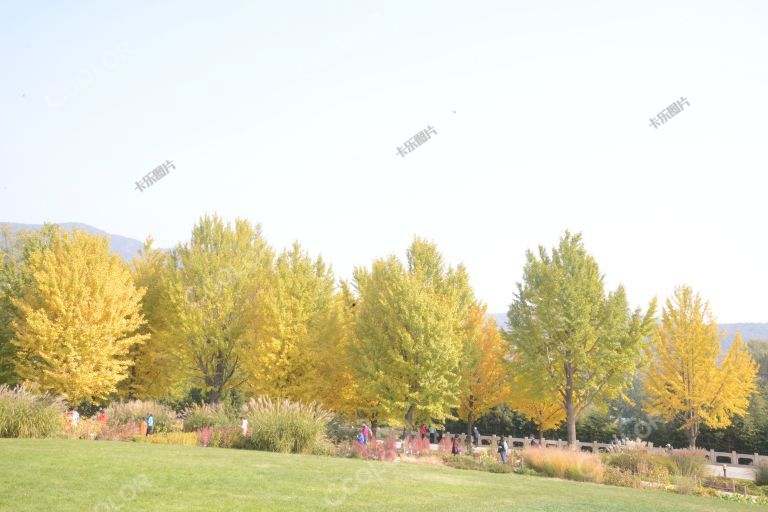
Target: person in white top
point(244, 426)
point(75, 416)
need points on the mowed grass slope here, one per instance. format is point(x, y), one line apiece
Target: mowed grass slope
point(57, 475)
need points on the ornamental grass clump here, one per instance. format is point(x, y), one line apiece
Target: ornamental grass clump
point(479, 463)
point(689, 462)
point(131, 413)
point(618, 477)
point(208, 415)
point(284, 426)
point(640, 464)
point(567, 464)
point(226, 437)
point(25, 414)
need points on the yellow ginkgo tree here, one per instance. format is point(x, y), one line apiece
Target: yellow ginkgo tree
point(687, 378)
point(484, 374)
point(530, 399)
point(289, 312)
point(78, 319)
point(156, 371)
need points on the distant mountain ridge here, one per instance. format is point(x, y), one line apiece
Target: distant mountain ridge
point(123, 246)
point(748, 330)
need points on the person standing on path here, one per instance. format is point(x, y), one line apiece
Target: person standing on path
point(367, 433)
point(150, 424)
point(456, 446)
point(102, 418)
point(475, 436)
point(503, 450)
point(423, 431)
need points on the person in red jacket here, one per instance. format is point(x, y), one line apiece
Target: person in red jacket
point(423, 431)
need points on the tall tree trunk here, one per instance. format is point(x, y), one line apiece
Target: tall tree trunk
point(692, 435)
point(409, 416)
point(571, 426)
point(693, 430)
point(570, 408)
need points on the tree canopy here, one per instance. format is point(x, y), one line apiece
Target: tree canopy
point(77, 319)
point(687, 378)
point(579, 341)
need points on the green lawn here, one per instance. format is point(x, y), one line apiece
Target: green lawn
point(55, 475)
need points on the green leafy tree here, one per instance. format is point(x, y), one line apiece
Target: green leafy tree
point(583, 344)
point(410, 331)
point(210, 290)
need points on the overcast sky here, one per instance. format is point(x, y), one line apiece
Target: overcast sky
point(290, 114)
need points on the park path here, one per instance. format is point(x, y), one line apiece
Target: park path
point(714, 469)
point(732, 472)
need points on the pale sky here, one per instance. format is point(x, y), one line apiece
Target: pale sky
point(290, 114)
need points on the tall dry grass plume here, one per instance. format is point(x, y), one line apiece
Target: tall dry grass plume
point(30, 415)
point(285, 426)
point(567, 464)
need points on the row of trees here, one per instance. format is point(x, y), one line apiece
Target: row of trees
point(404, 342)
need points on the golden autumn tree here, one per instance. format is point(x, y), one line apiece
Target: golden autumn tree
point(527, 398)
point(331, 381)
point(286, 319)
point(155, 372)
point(484, 373)
point(78, 319)
point(15, 277)
point(687, 378)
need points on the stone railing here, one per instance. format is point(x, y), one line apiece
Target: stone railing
point(512, 442)
point(743, 460)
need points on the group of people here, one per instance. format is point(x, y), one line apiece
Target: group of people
point(147, 425)
point(435, 436)
point(364, 436)
point(73, 418)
